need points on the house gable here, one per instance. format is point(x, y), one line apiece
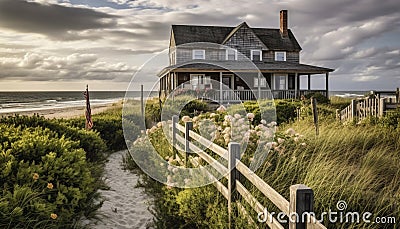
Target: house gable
point(244, 40)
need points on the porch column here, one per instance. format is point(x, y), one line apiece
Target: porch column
point(309, 82)
point(220, 87)
point(327, 84)
point(296, 75)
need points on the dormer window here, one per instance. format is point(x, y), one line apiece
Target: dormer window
point(256, 55)
point(280, 56)
point(199, 54)
point(231, 54)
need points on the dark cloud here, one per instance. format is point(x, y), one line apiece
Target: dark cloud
point(51, 20)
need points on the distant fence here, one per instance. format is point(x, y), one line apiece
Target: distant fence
point(360, 109)
point(301, 196)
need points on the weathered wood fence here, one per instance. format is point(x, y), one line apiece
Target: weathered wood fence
point(301, 197)
point(360, 109)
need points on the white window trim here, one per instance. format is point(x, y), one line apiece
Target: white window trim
point(227, 51)
point(200, 50)
point(284, 55)
point(274, 78)
point(173, 57)
point(255, 50)
point(232, 79)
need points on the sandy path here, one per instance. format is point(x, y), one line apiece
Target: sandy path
point(125, 205)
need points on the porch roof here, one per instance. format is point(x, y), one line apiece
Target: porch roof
point(245, 66)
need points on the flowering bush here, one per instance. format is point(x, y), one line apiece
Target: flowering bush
point(198, 207)
point(46, 179)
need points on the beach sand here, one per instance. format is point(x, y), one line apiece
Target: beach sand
point(68, 112)
point(125, 205)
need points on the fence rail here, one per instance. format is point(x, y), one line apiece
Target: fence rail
point(360, 109)
point(301, 197)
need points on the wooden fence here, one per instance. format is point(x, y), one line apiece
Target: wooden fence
point(360, 109)
point(301, 197)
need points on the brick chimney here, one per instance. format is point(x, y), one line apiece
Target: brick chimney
point(284, 23)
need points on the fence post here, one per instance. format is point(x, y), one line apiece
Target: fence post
point(397, 95)
point(233, 156)
point(338, 116)
point(188, 128)
point(315, 114)
point(301, 201)
point(175, 120)
point(382, 107)
point(353, 109)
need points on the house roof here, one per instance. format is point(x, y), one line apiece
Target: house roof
point(271, 38)
point(232, 66)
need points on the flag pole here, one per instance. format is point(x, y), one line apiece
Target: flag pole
point(88, 111)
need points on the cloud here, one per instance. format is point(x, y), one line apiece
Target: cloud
point(77, 66)
point(93, 41)
point(50, 19)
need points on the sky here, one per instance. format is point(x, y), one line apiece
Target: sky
point(65, 44)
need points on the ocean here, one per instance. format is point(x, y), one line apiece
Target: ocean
point(32, 101)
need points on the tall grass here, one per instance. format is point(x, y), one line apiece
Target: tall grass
point(357, 164)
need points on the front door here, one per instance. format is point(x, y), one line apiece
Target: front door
point(227, 80)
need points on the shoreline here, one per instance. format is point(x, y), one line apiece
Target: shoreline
point(66, 112)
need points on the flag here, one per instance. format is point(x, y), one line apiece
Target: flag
point(88, 111)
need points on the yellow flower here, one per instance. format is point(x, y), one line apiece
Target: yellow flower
point(35, 176)
point(50, 186)
point(53, 216)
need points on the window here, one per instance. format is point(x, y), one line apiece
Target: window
point(263, 82)
point(200, 81)
point(280, 82)
point(256, 55)
point(199, 54)
point(231, 54)
point(280, 56)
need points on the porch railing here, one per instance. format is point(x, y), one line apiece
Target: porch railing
point(245, 95)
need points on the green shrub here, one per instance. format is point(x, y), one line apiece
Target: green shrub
point(321, 99)
point(90, 141)
point(109, 126)
point(46, 180)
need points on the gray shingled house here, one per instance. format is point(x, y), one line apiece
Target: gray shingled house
point(199, 56)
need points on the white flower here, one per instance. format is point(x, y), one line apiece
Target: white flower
point(175, 170)
point(159, 124)
point(237, 116)
point(250, 116)
point(212, 115)
point(195, 119)
point(186, 118)
point(228, 118)
point(221, 109)
point(263, 122)
point(296, 139)
point(290, 131)
point(303, 144)
point(281, 140)
point(273, 123)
